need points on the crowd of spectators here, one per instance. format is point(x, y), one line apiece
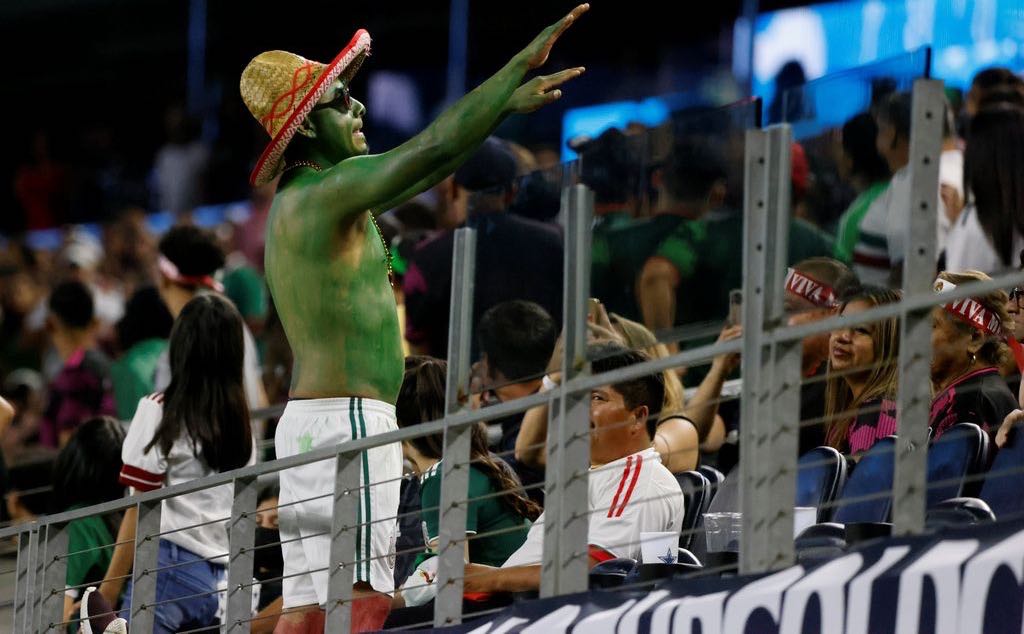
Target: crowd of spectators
point(106, 334)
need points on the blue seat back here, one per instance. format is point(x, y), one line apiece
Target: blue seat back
point(821, 474)
point(958, 453)
point(1004, 482)
point(867, 496)
point(696, 497)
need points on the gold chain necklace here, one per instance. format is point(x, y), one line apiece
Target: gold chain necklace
point(380, 234)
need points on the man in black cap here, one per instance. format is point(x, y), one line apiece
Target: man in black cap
point(516, 258)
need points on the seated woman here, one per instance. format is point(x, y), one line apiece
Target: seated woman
point(862, 376)
point(968, 348)
point(500, 505)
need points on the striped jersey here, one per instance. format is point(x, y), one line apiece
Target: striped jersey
point(146, 470)
point(635, 494)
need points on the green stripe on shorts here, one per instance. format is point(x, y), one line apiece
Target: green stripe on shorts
point(359, 511)
point(366, 493)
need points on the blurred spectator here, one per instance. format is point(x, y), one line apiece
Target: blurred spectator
point(888, 222)
point(129, 250)
point(622, 429)
point(188, 263)
point(860, 405)
point(250, 236)
point(268, 564)
point(988, 81)
point(688, 278)
point(967, 351)
point(142, 334)
point(6, 418)
point(85, 474)
point(180, 164)
point(20, 296)
point(197, 428)
point(26, 390)
point(82, 388)
point(516, 341)
point(989, 234)
point(868, 173)
point(498, 505)
point(41, 186)
point(83, 256)
point(788, 107)
point(481, 193)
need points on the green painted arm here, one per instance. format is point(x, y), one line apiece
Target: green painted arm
point(378, 182)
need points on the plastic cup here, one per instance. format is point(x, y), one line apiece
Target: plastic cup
point(803, 518)
point(723, 531)
point(659, 548)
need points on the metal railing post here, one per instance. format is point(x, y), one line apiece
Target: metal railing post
point(573, 461)
point(914, 401)
point(55, 566)
point(344, 529)
point(147, 550)
point(25, 579)
point(755, 407)
point(241, 541)
point(783, 420)
point(456, 463)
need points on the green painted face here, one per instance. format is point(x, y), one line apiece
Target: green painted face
point(338, 121)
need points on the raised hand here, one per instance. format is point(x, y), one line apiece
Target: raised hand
point(537, 51)
point(541, 91)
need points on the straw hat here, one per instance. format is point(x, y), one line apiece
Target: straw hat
point(280, 88)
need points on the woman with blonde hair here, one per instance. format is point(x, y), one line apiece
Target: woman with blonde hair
point(968, 349)
point(861, 387)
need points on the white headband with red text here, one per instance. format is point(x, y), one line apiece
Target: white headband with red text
point(171, 272)
point(971, 311)
point(805, 286)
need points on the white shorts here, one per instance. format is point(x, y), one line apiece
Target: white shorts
point(305, 524)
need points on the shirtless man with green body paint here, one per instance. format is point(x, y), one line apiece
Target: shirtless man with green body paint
point(327, 269)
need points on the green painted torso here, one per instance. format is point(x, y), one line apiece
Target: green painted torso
point(331, 289)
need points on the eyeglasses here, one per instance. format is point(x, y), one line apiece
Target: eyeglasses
point(341, 98)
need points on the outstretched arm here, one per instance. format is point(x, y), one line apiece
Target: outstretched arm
point(379, 181)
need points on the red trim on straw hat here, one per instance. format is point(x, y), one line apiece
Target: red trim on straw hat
point(266, 166)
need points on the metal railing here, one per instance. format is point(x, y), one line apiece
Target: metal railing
point(769, 418)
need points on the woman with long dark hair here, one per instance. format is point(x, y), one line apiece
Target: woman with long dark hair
point(860, 391)
point(989, 234)
point(198, 427)
point(499, 505)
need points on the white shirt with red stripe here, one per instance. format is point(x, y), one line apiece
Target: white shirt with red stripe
point(635, 494)
point(148, 470)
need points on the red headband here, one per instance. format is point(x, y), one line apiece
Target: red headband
point(171, 272)
point(817, 293)
point(971, 311)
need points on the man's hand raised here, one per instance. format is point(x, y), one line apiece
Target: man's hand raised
point(536, 52)
point(540, 91)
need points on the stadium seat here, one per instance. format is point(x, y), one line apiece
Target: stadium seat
point(611, 573)
point(867, 495)
point(958, 512)
point(821, 474)
point(961, 452)
point(1002, 488)
point(714, 476)
point(696, 498)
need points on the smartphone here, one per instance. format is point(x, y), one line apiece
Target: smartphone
point(735, 307)
point(593, 305)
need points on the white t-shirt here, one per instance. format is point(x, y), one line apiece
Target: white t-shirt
point(149, 470)
point(897, 221)
point(968, 248)
point(632, 495)
point(252, 375)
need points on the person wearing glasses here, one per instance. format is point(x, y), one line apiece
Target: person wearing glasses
point(329, 272)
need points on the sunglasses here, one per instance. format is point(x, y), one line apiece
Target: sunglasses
point(341, 98)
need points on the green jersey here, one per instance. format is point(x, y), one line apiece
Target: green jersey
point(487, 515)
